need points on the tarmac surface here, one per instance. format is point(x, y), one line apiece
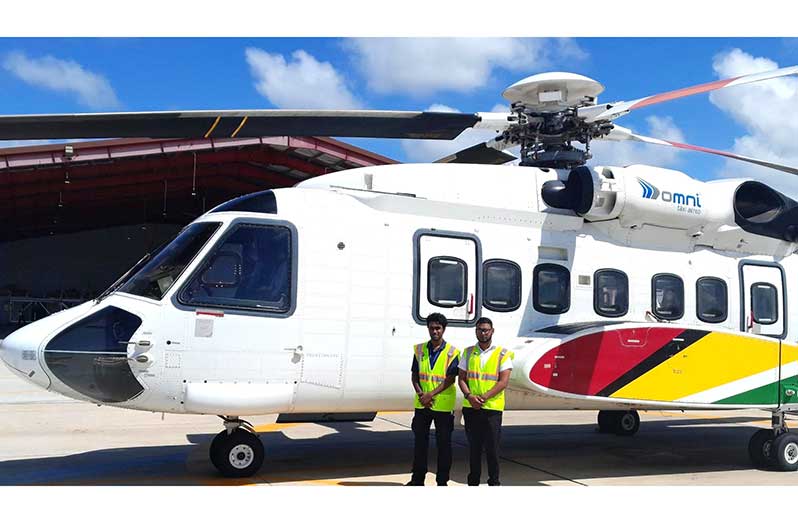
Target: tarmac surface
point(47, 439)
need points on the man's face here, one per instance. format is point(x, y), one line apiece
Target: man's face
point(435, 331)
point(484, 332)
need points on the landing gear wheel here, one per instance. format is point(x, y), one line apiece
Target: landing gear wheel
point(237, 455)
point(607, 421)
point(627, 422)
point(761, 448)
point(785, 452)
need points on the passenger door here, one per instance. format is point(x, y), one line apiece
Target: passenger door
point(447, 276)
point(763, 313)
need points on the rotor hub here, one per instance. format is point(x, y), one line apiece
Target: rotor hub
point(548, 121)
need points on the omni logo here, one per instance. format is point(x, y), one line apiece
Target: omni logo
point(650, 192)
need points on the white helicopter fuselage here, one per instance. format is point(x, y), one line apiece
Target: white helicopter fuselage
point(363, 245)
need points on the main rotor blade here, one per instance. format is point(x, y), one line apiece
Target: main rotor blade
point(619, 134)
point(479, 153)
point(231, 124)
point(614, 110)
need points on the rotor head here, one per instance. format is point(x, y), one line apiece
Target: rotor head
point(553, 92)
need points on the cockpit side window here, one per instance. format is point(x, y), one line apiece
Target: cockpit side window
point(156, 277)
point(251, 268)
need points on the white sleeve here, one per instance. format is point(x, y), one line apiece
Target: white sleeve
point(463, 364)
point(508, 364)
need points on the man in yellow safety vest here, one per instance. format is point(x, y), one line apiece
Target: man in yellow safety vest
point(484, 373)
point(433, 372)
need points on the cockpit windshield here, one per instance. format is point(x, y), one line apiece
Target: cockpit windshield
point(156, 277)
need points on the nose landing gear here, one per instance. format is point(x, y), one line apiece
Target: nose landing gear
point(774, 448)
point(237, 451)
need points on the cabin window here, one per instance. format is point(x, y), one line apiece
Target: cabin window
point(764, 303)
point(667, 296)
point(711, 300)
point(551, 288)
point(610, 293)
point(446, 281)
point(502, 285)
point(250, 268)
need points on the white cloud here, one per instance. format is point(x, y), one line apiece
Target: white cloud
point(768, 111)
point(431, 150)
point(422, 66)
point(299, 83)
point(628, 153)
point(92, 89)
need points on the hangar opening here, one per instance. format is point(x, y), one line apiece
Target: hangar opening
point(76, 216)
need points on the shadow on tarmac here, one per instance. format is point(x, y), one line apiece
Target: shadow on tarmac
point(531, 455)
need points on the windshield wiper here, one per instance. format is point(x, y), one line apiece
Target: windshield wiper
point(118, 283)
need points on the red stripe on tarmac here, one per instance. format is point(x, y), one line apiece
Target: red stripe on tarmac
point(588, 364)
point(680, 93)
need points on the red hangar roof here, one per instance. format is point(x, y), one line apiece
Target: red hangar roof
point(70, 187)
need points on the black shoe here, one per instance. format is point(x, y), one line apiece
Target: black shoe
point(412, 483)
point(444, 484)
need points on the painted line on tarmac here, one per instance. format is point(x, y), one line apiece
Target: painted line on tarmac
point(502, 457)
point(275, 427)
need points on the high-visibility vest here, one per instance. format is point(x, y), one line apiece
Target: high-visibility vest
point(430, 378)
point(481, 378)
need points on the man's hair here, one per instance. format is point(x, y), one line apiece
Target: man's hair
point(483, 319)
point(437, 317)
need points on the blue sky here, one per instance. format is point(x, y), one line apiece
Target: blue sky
point(42, 75)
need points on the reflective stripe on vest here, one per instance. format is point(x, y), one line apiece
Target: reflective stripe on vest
point(481, 378)
point(430, 378)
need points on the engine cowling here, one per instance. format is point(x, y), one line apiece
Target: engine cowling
point(640, 195)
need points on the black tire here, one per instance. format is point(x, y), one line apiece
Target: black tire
point(214, 450)
point(239, 455)
point(761, 449)
point(627, 423)
point(785, 452)
point(607, 421)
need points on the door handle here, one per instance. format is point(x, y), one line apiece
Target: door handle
point(471, 304)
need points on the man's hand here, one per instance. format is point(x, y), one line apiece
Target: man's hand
point(426, 399)
point(477, 401)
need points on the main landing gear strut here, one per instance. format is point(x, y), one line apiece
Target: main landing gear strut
point(237, 451)
point(776, 447)
point(620, 422)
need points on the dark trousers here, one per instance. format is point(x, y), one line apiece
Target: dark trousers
point(483, 429)
point(444, 425)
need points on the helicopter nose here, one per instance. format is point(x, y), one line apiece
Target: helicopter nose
point(20, 352)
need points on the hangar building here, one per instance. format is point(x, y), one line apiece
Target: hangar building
point(76, 216)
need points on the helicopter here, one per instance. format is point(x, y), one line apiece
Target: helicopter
point(618, 289)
